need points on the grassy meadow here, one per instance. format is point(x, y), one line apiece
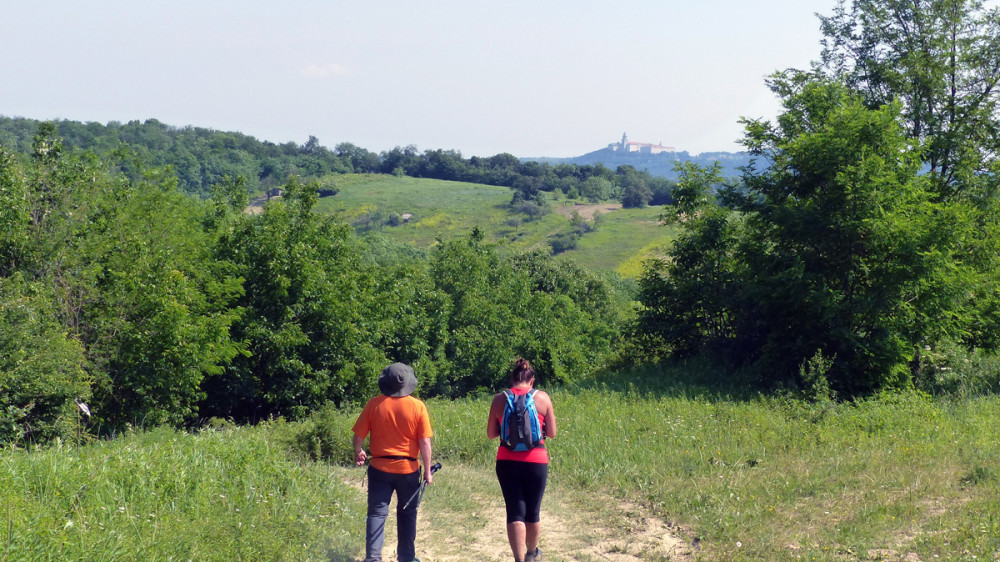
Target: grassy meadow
point(742, 478)
point(446, 209)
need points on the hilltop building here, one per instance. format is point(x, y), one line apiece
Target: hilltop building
point(640, 147)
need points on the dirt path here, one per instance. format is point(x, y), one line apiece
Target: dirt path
point(587, 211)
point(462, 519)
point(256, 205)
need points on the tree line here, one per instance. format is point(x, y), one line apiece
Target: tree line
point(202, 157)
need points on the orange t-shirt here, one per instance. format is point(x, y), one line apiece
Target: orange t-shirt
point(395, 425)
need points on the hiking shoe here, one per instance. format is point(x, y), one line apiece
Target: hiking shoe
point(535, 556)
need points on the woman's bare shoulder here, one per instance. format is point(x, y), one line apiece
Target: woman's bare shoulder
point(543, 397)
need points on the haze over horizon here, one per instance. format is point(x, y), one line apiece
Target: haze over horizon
point(559, 79)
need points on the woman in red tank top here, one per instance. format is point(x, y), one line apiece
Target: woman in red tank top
point(522, 474)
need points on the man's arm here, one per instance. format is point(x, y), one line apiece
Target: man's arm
point(425, 453)
point(359, 451)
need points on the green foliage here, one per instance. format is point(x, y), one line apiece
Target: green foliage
point(41, 367)
point(15, 216)
point(564, 241)
point(199, 157)
point(162, 309)
point(850, 236)
point(940, 59)
point(949, 368)
point(305, 322)
point(688, 300)
point(635, 191)
point(127, 270)
point(837, 246)
point(597, 188)
point(325, 435)
point(503, 307)
point(813, 373)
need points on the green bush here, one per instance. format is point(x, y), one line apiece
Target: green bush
point(950, 368)
point(41, 368)
point(564, 241)
point(325, 435)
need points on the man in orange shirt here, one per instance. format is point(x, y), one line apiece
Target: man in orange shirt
point(400, 428)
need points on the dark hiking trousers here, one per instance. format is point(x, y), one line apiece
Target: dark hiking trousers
point(523, 485)
point(381, 485)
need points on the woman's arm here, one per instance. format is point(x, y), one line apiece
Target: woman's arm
point(493, 423)
point(548, 413)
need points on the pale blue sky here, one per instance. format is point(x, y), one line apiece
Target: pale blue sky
point(541, 78)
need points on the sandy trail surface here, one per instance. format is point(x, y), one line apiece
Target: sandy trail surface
point(462, 519)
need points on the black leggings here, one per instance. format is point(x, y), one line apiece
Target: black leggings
point(523, 484)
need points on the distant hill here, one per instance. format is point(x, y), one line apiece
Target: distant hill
point(660, 165)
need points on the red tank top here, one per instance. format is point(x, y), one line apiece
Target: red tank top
point(537, 455)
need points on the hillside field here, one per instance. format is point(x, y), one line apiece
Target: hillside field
point(447, 209)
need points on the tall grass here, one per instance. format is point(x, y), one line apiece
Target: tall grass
point(165, 495)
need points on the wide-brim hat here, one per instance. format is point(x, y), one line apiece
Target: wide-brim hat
point(397, 380)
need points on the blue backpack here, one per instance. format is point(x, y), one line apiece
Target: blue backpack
point(519, 427)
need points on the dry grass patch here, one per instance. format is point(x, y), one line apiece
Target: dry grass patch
point(587, 211)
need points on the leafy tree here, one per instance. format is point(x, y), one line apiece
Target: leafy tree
point(689, 300)
point(15, 216)
point(126, 272)
point(156, 314)
point(853, 238)
point(404, 159)
point(319, 317)
point(941, 60)
point(597, 189)
point(564, 241)
point(662, 190)
point(41, 367)
point(839, 247)
point(521, 305)
point(635, 192)
point(361, 160)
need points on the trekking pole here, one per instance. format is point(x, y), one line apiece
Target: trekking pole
point(420, 491)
